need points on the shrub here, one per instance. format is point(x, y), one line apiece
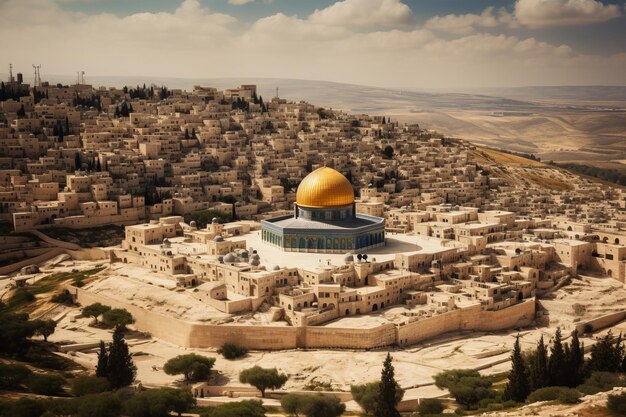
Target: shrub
point(116, 317)
point(569, 396)
point(159, 402)
point(105, 404)
point(312, 405)
point(600, 382)
point(467, 386)
point(448, 378)
point(562, 394)
point(246, 408)
point(430, 406)
point(232, 351)
point(617, 404)
point(12, 376)
point(24, 407)
point(63, 297)
point(85, 385)
point(45, 384)
point(366, 395)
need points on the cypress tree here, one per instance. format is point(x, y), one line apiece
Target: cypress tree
point(102, 368)
point(575, 360)
point(121, 368)
point(539, 376)
point(557, 364)
point(77, 161)
point(386, 405)
point(518, 388)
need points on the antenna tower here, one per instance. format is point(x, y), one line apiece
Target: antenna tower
point(37, 75)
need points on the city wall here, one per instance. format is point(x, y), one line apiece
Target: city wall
point(201, 335)
point(471, 318)
point(602, 322)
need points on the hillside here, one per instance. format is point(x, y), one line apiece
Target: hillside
point(522, 172)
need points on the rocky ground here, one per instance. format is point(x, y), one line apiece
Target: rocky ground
point(589, 406)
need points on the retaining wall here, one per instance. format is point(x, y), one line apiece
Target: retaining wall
point(51, 253)
point(201, 335)
point(471, 318)
point(602, 321)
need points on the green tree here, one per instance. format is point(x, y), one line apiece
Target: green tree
point(117, 317)
point(192, 366)
point(538, 373)
point(45, 328)
point(102, 368)
point(262, 378)
point(387, 391)
point(518, 388)
point(181, 400)
point(121, 369)
point(15, 331)
point(95, 310)
point(556, 363)
point(86, 385)
point(607, 354)
point(388, 152)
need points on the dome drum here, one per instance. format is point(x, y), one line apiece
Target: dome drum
point(324, 219)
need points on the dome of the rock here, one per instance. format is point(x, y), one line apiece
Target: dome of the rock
point(325, 187)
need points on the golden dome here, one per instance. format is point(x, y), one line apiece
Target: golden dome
point(325, 187)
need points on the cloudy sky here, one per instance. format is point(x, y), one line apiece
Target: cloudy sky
point(389, 43)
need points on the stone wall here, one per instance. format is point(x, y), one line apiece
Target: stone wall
point(471, 318)
point(602, 322)
point(49, 254)
point(200, 335)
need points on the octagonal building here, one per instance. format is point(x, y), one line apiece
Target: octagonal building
point(324, 219)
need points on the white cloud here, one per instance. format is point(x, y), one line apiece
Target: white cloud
point(548, 13)
point(465, 23)
point(364, 13)
point(239, 2)
point(195, 42)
